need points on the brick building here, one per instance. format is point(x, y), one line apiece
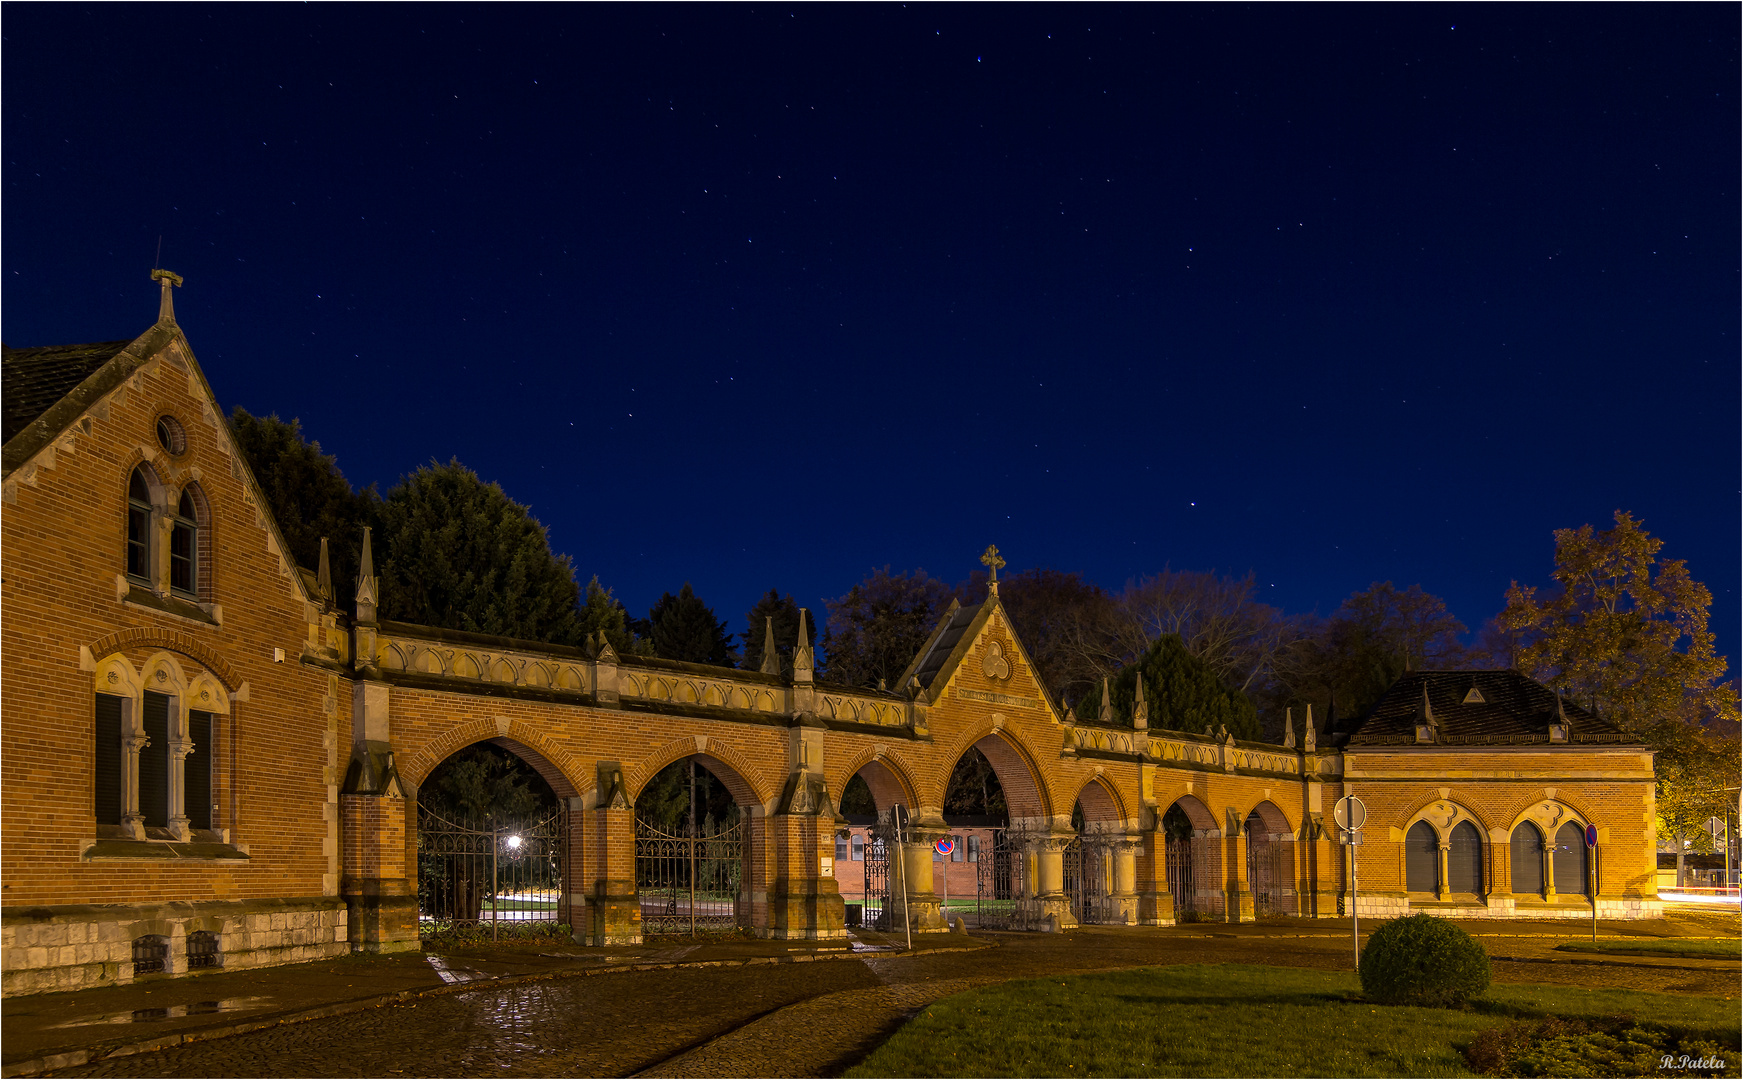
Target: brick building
point(207, 765)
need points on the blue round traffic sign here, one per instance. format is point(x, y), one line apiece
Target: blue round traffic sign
point(944, 846)
point(1591, 836)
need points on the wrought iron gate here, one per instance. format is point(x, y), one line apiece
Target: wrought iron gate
point(691, 883)
point(998, 884)
point(1194, 881)
point(495, 873)
point(875, 908)
point(1271, 875)
point(1086, 880)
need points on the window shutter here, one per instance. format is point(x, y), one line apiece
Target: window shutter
point(1526, 857)
point(106, 784)
point(197, 778)
point(154, 762)
point(1464, 860)
point(1421, 859)
point(1570, 860)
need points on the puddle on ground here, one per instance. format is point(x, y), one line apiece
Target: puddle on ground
point(170, 1012)
point(452, 971)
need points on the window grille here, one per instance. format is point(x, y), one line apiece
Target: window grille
point(1464, 859)
point(1526, 857)
point(203, 950)
point(154, 761)
point(1422, 859)
point(106, 785)
point(150, 954)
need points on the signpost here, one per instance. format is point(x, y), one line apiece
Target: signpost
point(1351, 814)
point(944, 847)
point(1592, 847)
point(899, 819)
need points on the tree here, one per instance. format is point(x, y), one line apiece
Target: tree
point(785, 611)
point(1216, 618)
point(1373, 638)
point(682, 627)
point(459, 553)
point(1693, 767)
point(874, 632)
point(601, 611)
point(665, 801)
point(308, 496)
point(483, 782)
point(1621, 630)
point(974, 787)
point(1183, 693)
point(1062, 620)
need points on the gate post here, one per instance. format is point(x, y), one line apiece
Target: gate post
point(1155, 902)
point(612, 914)
point(1239, 889)
point(805, 903)
point(381, 901)
point(1049, 852)
point(1320, 894)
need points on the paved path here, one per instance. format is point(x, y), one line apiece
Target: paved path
point(768, 1018)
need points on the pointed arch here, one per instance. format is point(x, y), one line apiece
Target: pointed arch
point(1024, 783)
point(1276, 822)
point(728, 766)
point(152, 637)
point(1100, 801)
point(889, 779)
point(1196, 812)
point(1423, 806)
point(557, 766)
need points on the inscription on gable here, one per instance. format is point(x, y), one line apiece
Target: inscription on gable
point(998, 699)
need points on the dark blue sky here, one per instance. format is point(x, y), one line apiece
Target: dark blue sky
point(770, 295)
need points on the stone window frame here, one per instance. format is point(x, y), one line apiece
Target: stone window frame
point(152, 509)
point(1443, 815)
point(1550, 815)
point(167, 489)
point(161, 673)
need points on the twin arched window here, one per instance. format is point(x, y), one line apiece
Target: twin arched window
point(186, 525)
point(1464, 859)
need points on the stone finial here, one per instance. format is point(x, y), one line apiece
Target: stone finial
point(1106, 716)
point(1289, 727)
point(324, 577)
point(166, 310)
point(771, 664)
point(1140, 707)
point(604, 654)
point(1558, 721)
point(368, 585)
point(804, 662)
point(1310, 736)
point(992, 561)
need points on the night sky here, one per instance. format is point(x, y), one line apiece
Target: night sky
point(769, 296)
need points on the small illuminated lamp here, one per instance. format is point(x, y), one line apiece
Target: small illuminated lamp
point(513, 842)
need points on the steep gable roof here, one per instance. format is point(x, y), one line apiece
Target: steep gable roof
point(1512, 709)
point(48, 388)
point(953, 639)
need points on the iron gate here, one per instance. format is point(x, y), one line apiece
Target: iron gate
point(691, 883)
point(1193, 880)
point(875, 907)
point(473, 873)
point(1086, 880)
point(997, 884)
point(1271, 875)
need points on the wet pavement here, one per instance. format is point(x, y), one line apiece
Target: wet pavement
point(746, 1008)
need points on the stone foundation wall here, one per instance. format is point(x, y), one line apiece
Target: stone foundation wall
point(1391, 906)
point(77, 946)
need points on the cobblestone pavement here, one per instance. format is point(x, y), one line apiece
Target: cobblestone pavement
point(788, 1020)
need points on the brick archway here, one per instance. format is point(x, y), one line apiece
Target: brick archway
point(554, 764)
point(146, 637)
point(1024, 787)
point(728, 766)
point(1100, 801)
point(888, 778)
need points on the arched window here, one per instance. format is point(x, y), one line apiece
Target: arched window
point(1421, 859)
point(1569, 860)
point(1526, 859)
point(184, 547)
point(139, 527)
point(1464, 859)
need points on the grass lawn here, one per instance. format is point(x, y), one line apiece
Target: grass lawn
point(1233, 1020)
point(1700, 948)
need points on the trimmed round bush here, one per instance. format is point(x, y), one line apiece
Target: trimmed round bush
point(1423, 960)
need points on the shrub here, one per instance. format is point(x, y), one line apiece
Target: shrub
point(1422, 960)
point(1616, 1047)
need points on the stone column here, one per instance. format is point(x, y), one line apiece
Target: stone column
point(1238, 894)
point(612, 914)
point(180, 746)
point(1549, 868)
point(925, 909)
point(1125, 891)
point(1443, 888)
point(133, 740)
point(1049, 856)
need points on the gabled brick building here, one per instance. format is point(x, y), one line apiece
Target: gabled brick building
point(206, 764)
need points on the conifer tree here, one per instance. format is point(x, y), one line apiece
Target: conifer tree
point(457, 552)
point(682, 627)
point(1183, 692)
point(785, 611)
